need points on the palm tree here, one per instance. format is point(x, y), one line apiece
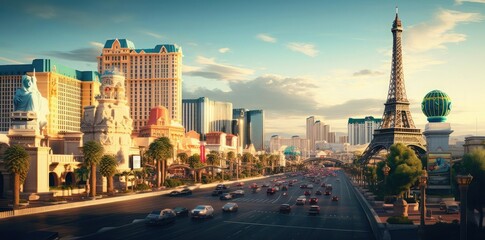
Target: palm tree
point(107, 168)
point(213, 159)
point(247, 158)
point(16, 162)
point(93, 152)
point(160, 150)
point(231, 156)
point(183, 157)
point(82, 174)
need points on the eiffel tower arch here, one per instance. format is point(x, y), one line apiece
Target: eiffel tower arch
point(397, 124)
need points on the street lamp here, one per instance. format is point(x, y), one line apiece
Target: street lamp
point(386, 170)
point(463, 182)
point(423, 182)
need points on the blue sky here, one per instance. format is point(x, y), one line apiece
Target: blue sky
point(293, 59)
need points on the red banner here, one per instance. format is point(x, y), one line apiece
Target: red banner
point(202, 153)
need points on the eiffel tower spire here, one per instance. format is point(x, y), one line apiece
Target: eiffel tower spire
point(397, 123)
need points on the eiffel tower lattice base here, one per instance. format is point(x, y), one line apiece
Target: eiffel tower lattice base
point(385, 138)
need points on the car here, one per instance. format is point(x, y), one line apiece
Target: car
point(271, 190)
point(186, 191)
point(323, 185)
point(265, 184)
point(328, 193)
point(284, 188)
point(309, 186)
point(285, 208)
point(314, 210)
point(160, 217)
point(230, 207)
point(253, 186)
point(202, 211)
point(226, 196)
point(301, 200)
point(313, 201)
point(318, 192)
point(338, 180)
point(303, 186)
point(307, 193)
point(240, 184)
point(181, 211)
point(216, 192)
point(334, 199)
point(221, 187)
point(442, 205)
point(174, 193)
point(237, 193)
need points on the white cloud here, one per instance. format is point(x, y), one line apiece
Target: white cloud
point(473, 1)
point(305, 48)
point(42, 11)
point(9, 60)
point(439, 32)
point(224, 50)
point(266, 38)
point(152, 34)
point(97, 44)
point(211, 69)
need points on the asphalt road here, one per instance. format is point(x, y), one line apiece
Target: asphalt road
point(257, 218)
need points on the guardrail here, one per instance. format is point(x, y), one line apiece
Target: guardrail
point(374, 220)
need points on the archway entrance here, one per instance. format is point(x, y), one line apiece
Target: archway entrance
point(53, 179)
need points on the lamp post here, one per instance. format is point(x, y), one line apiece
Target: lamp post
point(423, 182)
point(463, 182)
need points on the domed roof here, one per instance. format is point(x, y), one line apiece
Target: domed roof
point(292, 150)
point(436, 106)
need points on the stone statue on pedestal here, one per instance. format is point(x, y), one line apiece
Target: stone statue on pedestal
point(28, 98)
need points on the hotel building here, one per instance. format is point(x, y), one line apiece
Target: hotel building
point(361, 130)
point(67, 90)
point(153, 77)
point(204, 115)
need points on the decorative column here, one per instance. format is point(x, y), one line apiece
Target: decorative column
point(463, 182)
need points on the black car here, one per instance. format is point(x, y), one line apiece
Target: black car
point(271, 190)
point(181, 211)
point(174, 193)
point(318, 192)
point(158, 217)
point(186, 191)
point(285, 208)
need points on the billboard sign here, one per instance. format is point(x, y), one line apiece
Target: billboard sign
point(135, 162)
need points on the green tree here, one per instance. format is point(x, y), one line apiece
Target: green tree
point(82, 174)
point(93, 152)
point(405, 168)
point(107, 168)
point(195, 163)
point(17, 163)
point(231, 157)
point(247, 159)
point(474, 164)
point(160, 150)
point(183, 157)
point(213, 159)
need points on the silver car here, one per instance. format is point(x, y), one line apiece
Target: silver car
point(158, 217)
point(230, 207)
point(202, 211)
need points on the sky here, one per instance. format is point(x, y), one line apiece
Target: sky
point(292, 59)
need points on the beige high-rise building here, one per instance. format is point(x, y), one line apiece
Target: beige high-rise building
point(153, 77)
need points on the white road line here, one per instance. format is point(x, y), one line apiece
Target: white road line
point(299, 227)
point(276, 199)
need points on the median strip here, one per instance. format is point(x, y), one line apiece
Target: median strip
point(298, 227)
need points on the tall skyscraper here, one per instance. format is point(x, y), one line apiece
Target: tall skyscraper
point(310, 121)
point(361, 130)
point(397, 123)
point(153, 77)
point(249, 126)
point(204, 115)
point(67, 91)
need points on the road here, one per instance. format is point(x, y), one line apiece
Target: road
point(257, 218)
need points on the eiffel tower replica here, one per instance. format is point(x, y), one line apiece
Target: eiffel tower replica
point(397, 125)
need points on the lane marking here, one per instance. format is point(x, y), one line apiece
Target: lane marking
point(297, 227)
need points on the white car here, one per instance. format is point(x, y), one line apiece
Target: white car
point(230, 207)
point(301, 200)
point(238, 193)
point(202, 211)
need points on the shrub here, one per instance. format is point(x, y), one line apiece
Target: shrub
point(142, 187)
point(399, 220)
point(173, 183)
